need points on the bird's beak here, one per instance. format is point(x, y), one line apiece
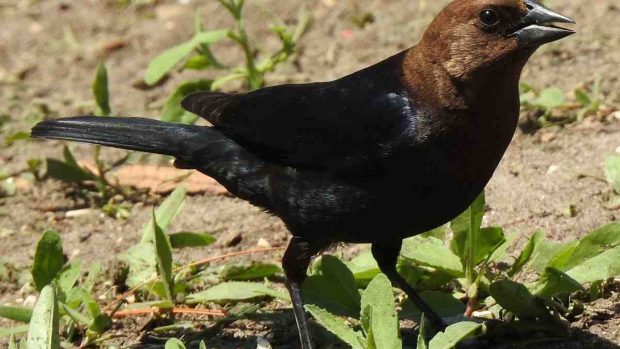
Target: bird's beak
point(537, 28)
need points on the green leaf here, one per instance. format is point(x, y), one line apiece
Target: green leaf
point(432, 252)
point(422, 278)
point(333, 288)
point(69, 170)
point(173, 112)
point(202, 345)
point(187, 239)
point(43, 331)
point(48, 259)
point(527, 252)
point(68, 277)
point(5, 332)
point(99, 321)
point(164, 258)
point(174, 343)
point(142, 263)
point(337, 326)
point(93, 273)
point(364, 268)
point(563, 255)
point(516, 298)
point(543, 253)
point(466, 230)
point(444, 305)
point(14, 137)
point(166, 61)
point(554, 282)
point(421, 344)
point(593, 244)
point(165, 213)
point(583, 98)
point(197, 62)
point(491, 239)
point(439, 232)
point(248, 272)
point(16, 313)
point(612, 172)
point(550, 98)
point(454, 334)
point(234, 291)
point(378, 300)
point(600, 267)
point(100, 90)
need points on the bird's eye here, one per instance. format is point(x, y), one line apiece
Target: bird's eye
point(489, 18)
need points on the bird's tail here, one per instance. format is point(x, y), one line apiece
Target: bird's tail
point(200, 147)
point(139, 134)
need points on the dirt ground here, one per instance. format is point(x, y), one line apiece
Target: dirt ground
point(50, 49)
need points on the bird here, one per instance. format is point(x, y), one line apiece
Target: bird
point(387, 152)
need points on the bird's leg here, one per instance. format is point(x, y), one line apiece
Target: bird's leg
point(386, 255)
point(295, 263)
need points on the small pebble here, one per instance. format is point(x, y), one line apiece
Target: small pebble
point(263, 243)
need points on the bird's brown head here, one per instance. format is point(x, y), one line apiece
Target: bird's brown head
point(470, 35)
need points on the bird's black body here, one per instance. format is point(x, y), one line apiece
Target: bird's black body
point(385, 153)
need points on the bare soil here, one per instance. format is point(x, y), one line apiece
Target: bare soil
point(49, 52)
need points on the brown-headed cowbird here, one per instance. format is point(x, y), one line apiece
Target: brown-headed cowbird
point(385, 153)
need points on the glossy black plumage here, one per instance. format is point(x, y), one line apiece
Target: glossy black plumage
point(385, 153)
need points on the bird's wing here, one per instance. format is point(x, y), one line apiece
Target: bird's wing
point(334, 125)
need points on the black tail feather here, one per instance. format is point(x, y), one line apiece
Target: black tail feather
point(138, 134)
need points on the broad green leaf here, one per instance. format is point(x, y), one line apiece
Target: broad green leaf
point(337, 326)
point(174, 343)
point(516, 298)
point(100, 91)
point(93, 273)
point(166, 61)
point(202, 345)
point(422, 278)
point(543, 253)
point(234, 291)
point(431, 252)
point(165, 213)
point(421, 344)
point(466, 230)
point(43, 331)
point(364, 268)
point(173, 112)
point(249, 272)
point(65, 172)
point(142, 263)
point(333, 288)
point(600, 267)
point(612, 172)
point(5, 332)
point(439, 232)
point(490, 239)
point(68, 277)
point(164, 258)
point(562, 255)
point(527, 252)
point(593, 244)
point(16, 313)
point(454, 334)
point(554, 282)
point(48, 259)
point(550, 98)
point(187, 239)
point(378, 300)
point(444, 305)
